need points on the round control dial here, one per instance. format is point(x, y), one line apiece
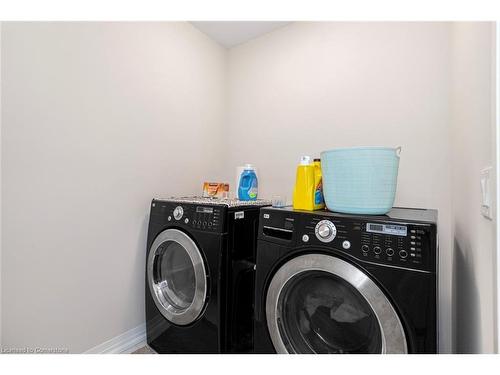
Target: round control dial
point(178, 212)
point(325, 231)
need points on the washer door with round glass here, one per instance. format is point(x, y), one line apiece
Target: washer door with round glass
point(321, 304)
point(177, 277)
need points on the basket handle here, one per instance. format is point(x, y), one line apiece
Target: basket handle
point(398, 151)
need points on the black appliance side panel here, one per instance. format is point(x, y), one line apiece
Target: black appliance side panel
point(242, 226)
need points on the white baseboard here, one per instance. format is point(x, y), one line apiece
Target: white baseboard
point(125, 343)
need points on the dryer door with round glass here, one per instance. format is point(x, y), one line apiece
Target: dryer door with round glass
point(321, 304)
point(177, 277)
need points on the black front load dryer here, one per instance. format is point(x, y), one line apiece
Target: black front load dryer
point(334, 283)
point(199, 275)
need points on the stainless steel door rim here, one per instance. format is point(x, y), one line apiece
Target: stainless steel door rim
point(392, 332)
point(176, 315)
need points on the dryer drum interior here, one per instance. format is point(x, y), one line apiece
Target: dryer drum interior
point(177, 277)
point(321, 304)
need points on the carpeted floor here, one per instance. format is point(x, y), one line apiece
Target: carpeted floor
point(144, 350)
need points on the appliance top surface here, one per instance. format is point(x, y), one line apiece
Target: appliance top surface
point(228, 202)
point(396, 213)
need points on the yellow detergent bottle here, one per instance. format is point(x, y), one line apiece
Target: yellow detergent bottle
point(303, 193)
point(319, 202)
point(308, 192)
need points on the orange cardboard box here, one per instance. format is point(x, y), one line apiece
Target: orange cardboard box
point(215, 190)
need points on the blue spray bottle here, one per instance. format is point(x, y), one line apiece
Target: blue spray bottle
point(248, 184)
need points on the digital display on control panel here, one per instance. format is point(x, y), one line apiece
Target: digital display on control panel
point(205, 210)
point(396, 230)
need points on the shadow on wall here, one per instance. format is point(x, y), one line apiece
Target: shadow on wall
point(467, 330)
point(140, 262)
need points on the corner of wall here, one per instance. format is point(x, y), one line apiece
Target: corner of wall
point(473, 136)
point(1, 186)
point(495, 58)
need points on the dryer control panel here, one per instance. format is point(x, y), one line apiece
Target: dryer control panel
point(206, 218)
point(393, 241)
point(200, 217)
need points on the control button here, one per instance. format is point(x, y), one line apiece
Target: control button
point(169, 218)
point(346, 245)
point(209, 223)
point(204, 223)
point(365, 248)
point(178, 212)
point(412, 243)
point(305, 238)
point(325, 231)
point(389, 252)
point(186, 220)
point(377, 250)
point(403, 253)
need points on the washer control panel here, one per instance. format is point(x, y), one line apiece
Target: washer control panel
point(397, 244)
point(410, 244)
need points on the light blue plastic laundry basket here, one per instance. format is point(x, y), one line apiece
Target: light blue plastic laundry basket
point(360, 180)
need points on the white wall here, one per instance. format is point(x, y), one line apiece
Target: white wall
point(310, 87)
point(97, 119)
point(473, 139)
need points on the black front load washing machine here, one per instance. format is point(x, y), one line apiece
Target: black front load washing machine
point(334, 283)
point(200, 275)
